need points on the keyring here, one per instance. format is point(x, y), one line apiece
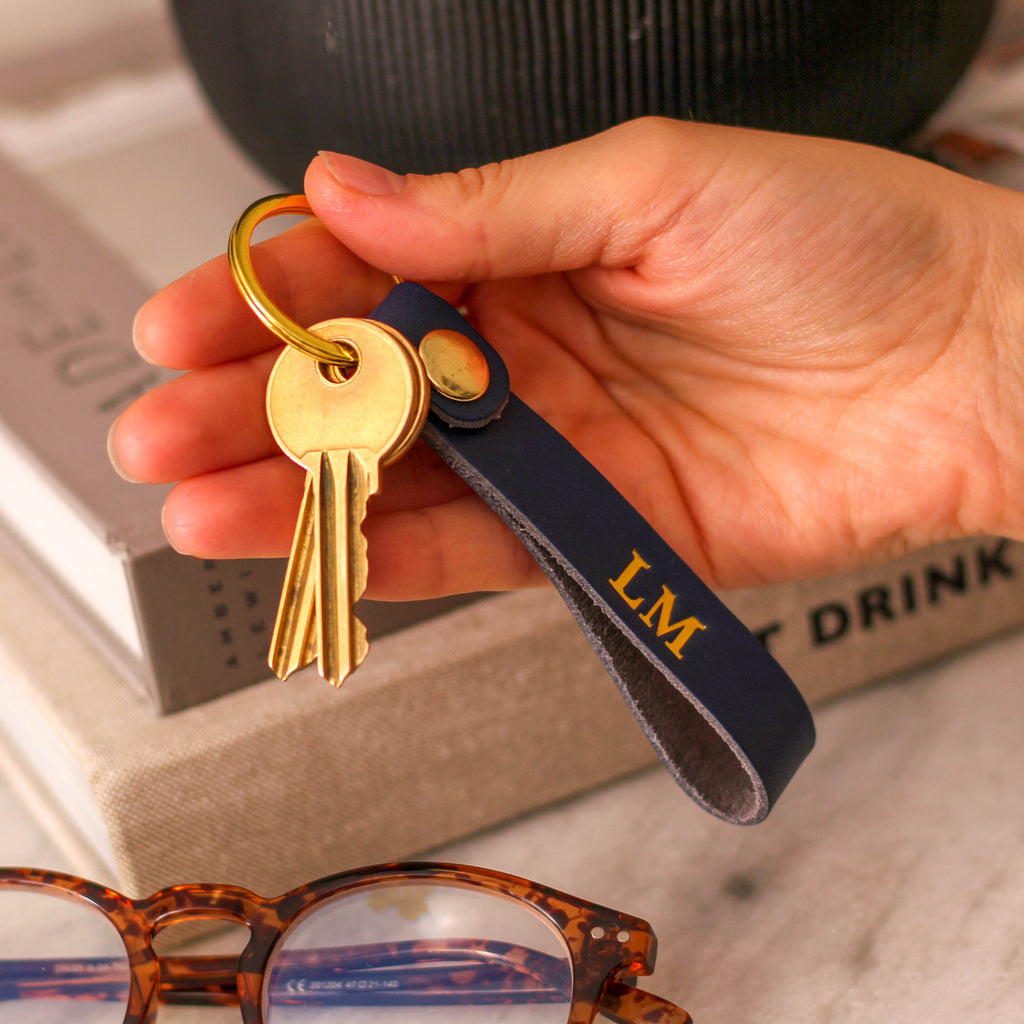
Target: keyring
point(240, 259)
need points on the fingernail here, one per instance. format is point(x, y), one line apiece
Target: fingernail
point(361, 176)
point(114, 460)
point(164, 525)
point(137, 339)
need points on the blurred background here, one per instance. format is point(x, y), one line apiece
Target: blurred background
point(99, 102)
point(98, 105)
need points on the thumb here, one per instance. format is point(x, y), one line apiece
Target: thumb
point(598, 201)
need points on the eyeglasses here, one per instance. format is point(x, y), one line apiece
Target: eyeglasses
point(406, 943)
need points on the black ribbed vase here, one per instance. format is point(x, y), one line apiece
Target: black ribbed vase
point(427, 85)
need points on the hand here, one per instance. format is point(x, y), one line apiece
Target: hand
point(793, 355)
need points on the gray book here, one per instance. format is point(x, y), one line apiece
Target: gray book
point(183, 630)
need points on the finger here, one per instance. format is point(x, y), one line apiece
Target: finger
point(419, 479)
point(197, 423)
point(249, 511)
point(202, 319)
point(457, 547)
point(246, 511)
point(592, 202)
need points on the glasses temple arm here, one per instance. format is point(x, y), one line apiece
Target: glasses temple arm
point(626, 1004)
point(103, 978)
point(212, 980)
point(442, 971)
point(620, 1002)
point(209, 980)
point(305, 980)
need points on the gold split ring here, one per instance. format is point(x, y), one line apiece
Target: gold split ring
point(454, 364)
point(240, 259)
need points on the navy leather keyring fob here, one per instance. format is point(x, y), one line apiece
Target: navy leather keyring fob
point(726, 720)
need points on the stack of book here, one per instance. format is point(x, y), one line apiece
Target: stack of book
point(136, 715)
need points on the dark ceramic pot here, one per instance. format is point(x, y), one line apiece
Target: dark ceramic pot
point(427, 85)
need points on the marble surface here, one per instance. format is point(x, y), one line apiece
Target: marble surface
point(887, 884)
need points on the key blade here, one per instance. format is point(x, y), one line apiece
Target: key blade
point(293, 644)
point(341, 429)
point(343, 484)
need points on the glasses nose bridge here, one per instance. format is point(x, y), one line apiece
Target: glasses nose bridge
point(206, 978)
point(183, 903)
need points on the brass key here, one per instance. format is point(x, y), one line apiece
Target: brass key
point(341, 426)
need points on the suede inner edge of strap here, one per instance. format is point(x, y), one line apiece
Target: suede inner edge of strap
point(725, 719)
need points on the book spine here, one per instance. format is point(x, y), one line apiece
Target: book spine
point(840, 632)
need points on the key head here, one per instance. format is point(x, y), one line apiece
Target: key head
point(379, 407)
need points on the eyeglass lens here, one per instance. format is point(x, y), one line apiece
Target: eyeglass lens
point(419, 953)
point(55, 947)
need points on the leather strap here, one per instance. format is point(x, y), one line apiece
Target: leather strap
point(726, 720)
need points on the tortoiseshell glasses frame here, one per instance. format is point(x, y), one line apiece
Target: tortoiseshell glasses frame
point(604, 951)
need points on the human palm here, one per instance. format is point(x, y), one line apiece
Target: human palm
point(781, 350)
